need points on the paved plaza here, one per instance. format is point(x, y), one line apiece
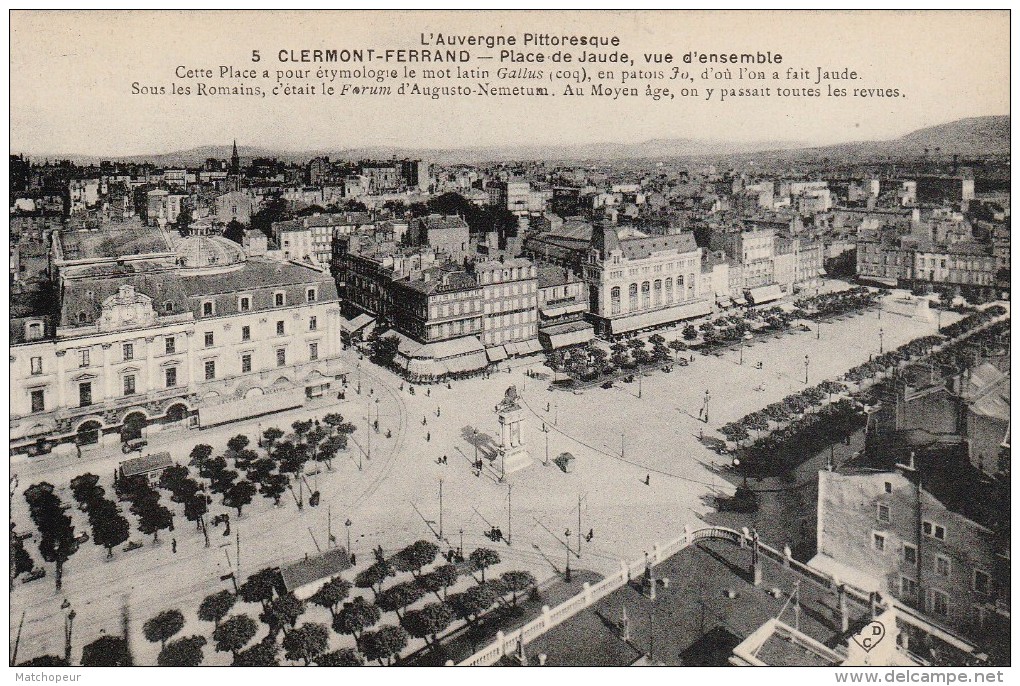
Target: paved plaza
point(640, 475)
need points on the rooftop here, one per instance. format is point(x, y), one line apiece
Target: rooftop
point(116, 239)
point(312, 569)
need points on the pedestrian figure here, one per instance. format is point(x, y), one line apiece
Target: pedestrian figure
point(388, 434)
point(354, 559)
point(648, 479)
point(428, 392)
point(591, 535)
point(701, 434)
point(692, 357)
point(424, 421)
point(375, 423)
point(437, 411)
point(444, 459)
point(173, 545)
point(448, 386)
point(401, 386)
point(428, 437)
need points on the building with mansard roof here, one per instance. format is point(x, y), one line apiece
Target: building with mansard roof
point(173, 334)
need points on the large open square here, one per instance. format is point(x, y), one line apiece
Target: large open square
point(640, 474)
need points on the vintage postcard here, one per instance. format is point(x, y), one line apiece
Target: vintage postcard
point(539, 338)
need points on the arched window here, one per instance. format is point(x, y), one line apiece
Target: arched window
point(614, 296)
point(633, 304)
point(657, 292)
point(645, 295)
point(669, 290)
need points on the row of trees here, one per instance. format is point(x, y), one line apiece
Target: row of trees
point(780, 413)
point(837, 303)
point(110, 528)
point(356, 617)
point(590, 362)
point(913, 350)
point(971, 322)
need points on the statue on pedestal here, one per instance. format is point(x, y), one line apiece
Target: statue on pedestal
point(512, 453)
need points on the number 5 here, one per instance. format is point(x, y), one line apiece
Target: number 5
point(255, 56)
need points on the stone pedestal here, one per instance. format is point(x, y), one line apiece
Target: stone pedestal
point(511, 455)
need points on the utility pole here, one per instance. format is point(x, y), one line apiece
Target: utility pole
point(329, 526)
point(579, 526)
point(237, 556)
point(509, 513)
point(640, 376)
point(546, 448)
point(460, 550)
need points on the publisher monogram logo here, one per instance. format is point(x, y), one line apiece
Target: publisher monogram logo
point(870, 636)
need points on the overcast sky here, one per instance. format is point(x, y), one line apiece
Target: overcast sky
point(71, 77)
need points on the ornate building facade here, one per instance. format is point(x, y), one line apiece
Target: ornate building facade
point(138, 346)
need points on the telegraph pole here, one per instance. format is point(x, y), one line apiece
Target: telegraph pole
point(509, 513)
point(578, 526)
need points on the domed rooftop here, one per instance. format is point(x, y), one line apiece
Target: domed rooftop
point(203, 252)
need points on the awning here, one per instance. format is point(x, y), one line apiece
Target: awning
point(821, 272)
point(667, 315)
point(511, 349)
point(466, 363)
point(352, 326)
point(529, 347)
point(566, 334)
point(766, 294)
point(552, 312)
point(234, 410)
point(495, 353)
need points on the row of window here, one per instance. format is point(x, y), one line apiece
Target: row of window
point(244, 302)
point(130, 387)
point(651, 294)
point(938, 601)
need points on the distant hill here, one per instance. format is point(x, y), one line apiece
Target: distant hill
point(965, 137)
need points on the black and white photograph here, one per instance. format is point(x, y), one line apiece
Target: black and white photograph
point(602, 338)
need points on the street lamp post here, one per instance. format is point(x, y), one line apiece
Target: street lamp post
point(359, 378)
point(348, 525)
point(68, 629)
point(881, 346)
point(440, 509)
point(707, 398)
point(818, 330)
point(807, 363)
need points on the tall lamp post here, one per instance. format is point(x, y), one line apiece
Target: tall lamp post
point(707, 398)
point(818, 330)
point(881, 346)
point(68, 629)
point(347, 524)
point(807, 364)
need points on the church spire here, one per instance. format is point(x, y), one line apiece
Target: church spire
point(235, 160)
